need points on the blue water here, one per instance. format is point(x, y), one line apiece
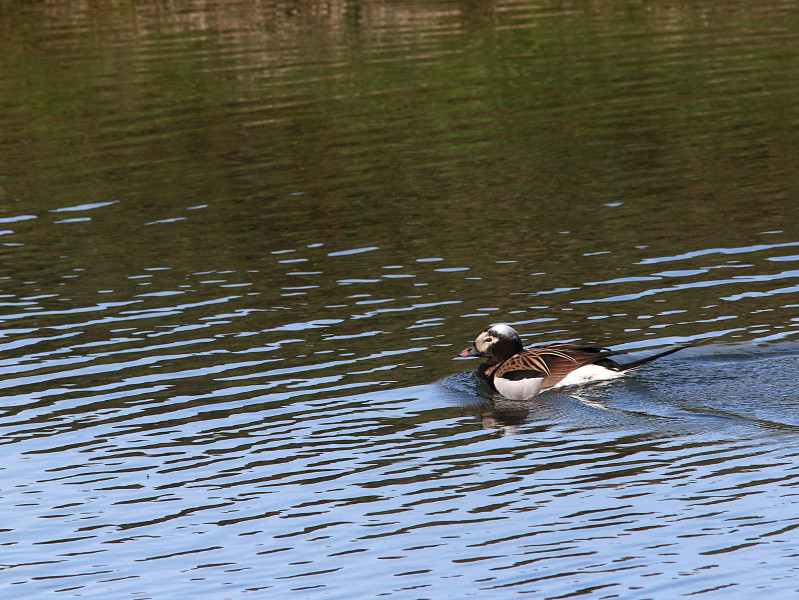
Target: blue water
point(243, 243)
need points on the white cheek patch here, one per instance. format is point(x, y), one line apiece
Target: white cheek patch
point(480, 342)
point(587, 374)
point(518, 389)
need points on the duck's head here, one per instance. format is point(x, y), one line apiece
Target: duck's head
point(495, 344)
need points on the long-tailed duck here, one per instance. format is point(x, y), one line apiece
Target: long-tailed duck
point(519, 374)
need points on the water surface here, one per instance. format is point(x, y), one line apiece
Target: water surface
point(242, 242)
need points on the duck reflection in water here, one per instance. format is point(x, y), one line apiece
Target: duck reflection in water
point(506, 416)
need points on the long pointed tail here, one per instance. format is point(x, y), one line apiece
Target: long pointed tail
point(649, 359)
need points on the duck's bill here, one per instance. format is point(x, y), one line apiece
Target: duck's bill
point(469, 352)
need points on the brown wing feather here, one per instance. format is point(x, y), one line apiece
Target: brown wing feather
point(552, 362)
point(534, 359)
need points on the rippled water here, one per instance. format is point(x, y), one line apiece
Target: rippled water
point(242, 243)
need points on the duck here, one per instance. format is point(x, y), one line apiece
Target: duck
point(517, 373)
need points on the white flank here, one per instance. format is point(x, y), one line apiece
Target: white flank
point(586, 374)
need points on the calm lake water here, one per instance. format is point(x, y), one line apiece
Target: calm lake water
point(242, 242)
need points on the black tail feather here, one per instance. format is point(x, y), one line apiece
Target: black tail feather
point(649, 359)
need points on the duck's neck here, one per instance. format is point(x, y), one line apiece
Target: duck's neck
point(503, 349)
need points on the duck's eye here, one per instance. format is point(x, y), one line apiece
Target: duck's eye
point(489, 340)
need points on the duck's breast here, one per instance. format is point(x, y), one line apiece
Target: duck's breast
point(518, 389)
